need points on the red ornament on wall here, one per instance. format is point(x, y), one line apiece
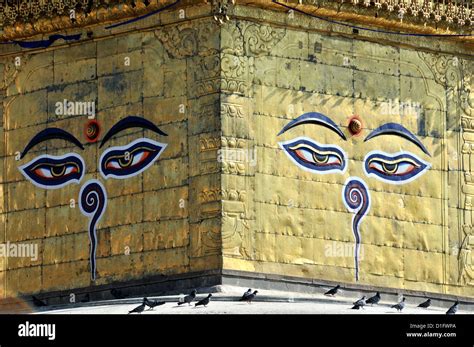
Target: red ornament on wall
point(355, 125)
point(92, 131)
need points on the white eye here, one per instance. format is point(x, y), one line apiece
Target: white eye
point(307, 155)
point(376, 165)
point(46, 173)
point(138, 158)
point(69, 169)
point(113, 164)
point(405, 168)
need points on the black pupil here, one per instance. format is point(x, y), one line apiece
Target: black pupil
point(320, 157)
point(123, 162)
point(57, 170)
point(390, 167)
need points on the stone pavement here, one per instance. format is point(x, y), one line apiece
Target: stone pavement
point(225, 301)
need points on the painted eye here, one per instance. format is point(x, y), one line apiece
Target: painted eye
point(314, 157)
point(53, 172)
point(130, 160)
point(398, 168)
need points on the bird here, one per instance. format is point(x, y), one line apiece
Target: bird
point(374, 299)
point(400, 306)
point(117, 294)
point(453, 309)
point(188, 298)
point(153, 304)
point(140, 308)
point(333, 291)
point(248, 298)
point(248, 292)
point(204, 302)
point(38, 302)
point(359, 303)
point(425, 304)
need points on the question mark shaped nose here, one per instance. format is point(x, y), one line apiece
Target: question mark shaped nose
point(356, 198)
point(92, 202)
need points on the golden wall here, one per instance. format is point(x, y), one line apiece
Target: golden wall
point(237, 186)
point(153, 220)
point(289, 216)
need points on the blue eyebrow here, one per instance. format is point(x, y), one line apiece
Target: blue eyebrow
point(131, 122)
point(50, 134)
point(313, 118)
point(398, 130)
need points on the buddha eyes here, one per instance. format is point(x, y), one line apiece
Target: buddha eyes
point(397, 168)
point(130, 160)
point(314, 157)
point(54, 171)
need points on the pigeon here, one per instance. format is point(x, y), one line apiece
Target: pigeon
point(139, 309)
point(153, 304)
point(188, 298)
point(425, 304)
point(248, 292)
point(374, 299)
point(204, 301)
point(117, 294)
point(333, 292)
point(453, 309)
point(400, 306)
point(38, 302)
point(359, 303)
point(248, 298)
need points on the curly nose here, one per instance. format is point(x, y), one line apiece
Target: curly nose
point(92, 202)
point(356, 198)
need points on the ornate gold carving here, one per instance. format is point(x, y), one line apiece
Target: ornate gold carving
point(445, 68)
point(466, 257)
point(232, 40)
point(465, 99)
point(189, 39)
point(233, 195)
point(216, 194)
point(232, 142)
point(235, 73)
point(209, 143)
point(260, 39)
point(466, 94)
point(22, 18)
point(234, 156)
point(235, 224)
point(210, 195)
point(452, 13)
point(26, 18)
point(207, 239)
point(232, 110)
point(205, 75)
